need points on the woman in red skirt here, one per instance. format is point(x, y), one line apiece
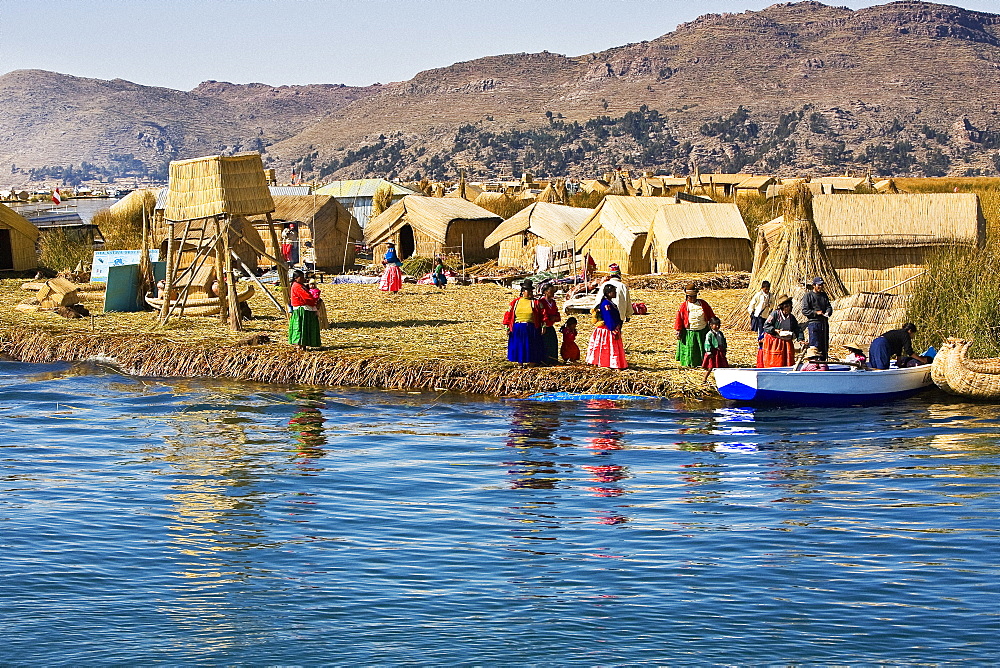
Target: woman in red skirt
point(605, 347)
point(392, 278)
point(780, 330)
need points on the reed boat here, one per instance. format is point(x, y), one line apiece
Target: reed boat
point(955, 372)
point(201, 306)
point(840, 385)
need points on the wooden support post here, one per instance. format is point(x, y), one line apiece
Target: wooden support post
point(168, 282)
point(233, 308)
point(256, 280)
point(220, 272)
point(282, 267)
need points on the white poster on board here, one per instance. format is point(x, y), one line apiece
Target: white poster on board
point(116, 258)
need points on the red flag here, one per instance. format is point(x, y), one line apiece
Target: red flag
point(56, 197)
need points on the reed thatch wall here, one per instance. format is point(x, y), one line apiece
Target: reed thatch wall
point(217, 185)
point(696, 238)
point(859, 318)
point(518, 250)
point(17, 241)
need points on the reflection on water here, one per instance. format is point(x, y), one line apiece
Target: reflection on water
point(253, 524)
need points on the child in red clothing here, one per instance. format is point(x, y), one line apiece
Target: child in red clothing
point(570, 351)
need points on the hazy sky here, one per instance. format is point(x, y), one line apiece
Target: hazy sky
point(179, 43)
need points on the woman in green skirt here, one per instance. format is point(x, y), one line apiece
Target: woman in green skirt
point(691, 325)
point(303, 326)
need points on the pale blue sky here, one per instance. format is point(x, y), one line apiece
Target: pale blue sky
point(179, 43)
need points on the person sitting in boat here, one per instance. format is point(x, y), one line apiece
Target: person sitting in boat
point(781, 329)
point(814, 361)
point(691, 326)
point(896, 343)
point(606, 348)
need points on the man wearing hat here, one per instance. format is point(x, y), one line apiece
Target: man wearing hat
point(817, 309)
point(622, 300)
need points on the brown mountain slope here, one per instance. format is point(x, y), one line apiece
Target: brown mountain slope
point(55, 119)
point(923, 63)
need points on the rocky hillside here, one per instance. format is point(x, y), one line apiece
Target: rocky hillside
point(905, 88)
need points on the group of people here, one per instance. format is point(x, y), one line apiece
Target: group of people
point(531, 326)
point(392, 275)
point(778, 332)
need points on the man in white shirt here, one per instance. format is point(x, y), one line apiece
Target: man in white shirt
point(758, 308)
point(622, 300)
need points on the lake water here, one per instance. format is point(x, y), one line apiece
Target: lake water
point(201, 522)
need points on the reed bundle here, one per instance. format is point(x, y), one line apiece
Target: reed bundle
point(796, 258)
point(859, 318)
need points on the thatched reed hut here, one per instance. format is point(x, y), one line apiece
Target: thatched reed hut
point(540, 225)
point(616, 232)
point(877, 242)
point(698, 238)
point(428, 226)
point(357, 195)
point(755, 185)
point(835, 185)
point(321, 220)
point(17, 241)
point(135, 200)
point(719, 184)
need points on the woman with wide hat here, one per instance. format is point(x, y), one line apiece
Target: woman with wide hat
point(691, 326)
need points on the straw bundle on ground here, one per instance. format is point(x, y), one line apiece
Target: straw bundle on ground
point(859, 318)
point(796, 258)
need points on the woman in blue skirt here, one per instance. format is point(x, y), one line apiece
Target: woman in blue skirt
point(524, 325)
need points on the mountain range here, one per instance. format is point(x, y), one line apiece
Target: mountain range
point(901, 88)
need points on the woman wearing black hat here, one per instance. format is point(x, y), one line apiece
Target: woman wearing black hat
point(524, 321)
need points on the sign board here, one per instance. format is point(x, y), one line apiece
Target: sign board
point(122, 294)
point(116, 258)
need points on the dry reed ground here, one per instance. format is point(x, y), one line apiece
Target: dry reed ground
point(421, 338)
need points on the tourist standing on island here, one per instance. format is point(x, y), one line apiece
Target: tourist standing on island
point(817, 309)
point(550, 316)
point(303, 326)
point(606, 347)
point(523, 321)
point(760, 308)
point(392, 277)
point(622, 300)
point(691, 326)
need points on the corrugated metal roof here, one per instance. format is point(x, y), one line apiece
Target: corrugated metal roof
point(429, 215)
point(553, 222)
point(290, 190)
point(360, 188)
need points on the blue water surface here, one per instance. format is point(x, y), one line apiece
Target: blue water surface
point(202, 523)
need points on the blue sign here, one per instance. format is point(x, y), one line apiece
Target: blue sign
point(104, 260)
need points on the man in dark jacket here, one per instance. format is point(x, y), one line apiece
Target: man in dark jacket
point(817, 309)
point(896, 343)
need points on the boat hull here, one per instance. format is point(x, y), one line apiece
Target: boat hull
point(840, 386)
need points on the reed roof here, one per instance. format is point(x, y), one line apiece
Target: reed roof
point(323, 211)
point(17, 222)
point(695, 221)
point(217, 185)
point(724, 179)
point(756, 182)
point(841, 182)
point(553, 222)
point(924, 219)
point(625, 217)
point(430, 215)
